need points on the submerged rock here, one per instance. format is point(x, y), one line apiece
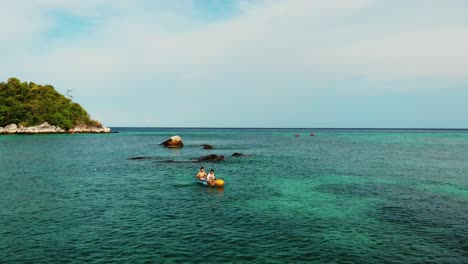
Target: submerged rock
point(139, 158)
point(211, 158)
point(207, 146)
point(237, 154)
point(173, 142)
point(179, 161)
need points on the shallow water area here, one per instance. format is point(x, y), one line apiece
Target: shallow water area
point(343, 196)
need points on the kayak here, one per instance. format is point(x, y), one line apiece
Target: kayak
point(218, 183)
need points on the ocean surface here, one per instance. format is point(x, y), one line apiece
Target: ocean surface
point(342, 196)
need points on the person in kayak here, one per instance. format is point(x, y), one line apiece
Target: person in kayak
point(211, 178)
point(201, 175)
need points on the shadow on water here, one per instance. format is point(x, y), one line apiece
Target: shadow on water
point(183, 185)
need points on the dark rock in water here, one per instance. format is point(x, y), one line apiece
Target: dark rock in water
point(211, 158)
point(179, 161)
point(157, 159)
point(237, 154)
point(207, 146)
point(297, 135)
point(173, 142)
point(139, 158)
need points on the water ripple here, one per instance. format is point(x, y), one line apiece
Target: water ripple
point(335, 198)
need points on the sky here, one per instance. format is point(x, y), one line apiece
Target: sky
point(247, 63)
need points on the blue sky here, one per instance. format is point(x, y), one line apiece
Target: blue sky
point(247, 63)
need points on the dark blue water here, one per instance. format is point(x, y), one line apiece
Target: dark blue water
point(343, 196)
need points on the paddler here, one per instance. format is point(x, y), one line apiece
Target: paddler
point(211, 178)
point(201, 175)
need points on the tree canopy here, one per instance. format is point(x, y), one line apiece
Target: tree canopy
point(30, 104)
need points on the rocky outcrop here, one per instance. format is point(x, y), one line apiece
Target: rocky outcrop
point(207, 146)
point(46, 128)
point(173, 142)
point(211, 158)
point(237, 154)
point(43, 128)
point(89, 129)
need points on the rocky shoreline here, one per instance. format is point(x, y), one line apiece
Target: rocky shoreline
point(46, 128)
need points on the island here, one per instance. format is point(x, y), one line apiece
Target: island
point(29, 108)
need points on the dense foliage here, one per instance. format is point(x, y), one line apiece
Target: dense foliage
point(30, 104)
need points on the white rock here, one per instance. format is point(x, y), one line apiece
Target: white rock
point(33, 130)
point(173, 142)
point(11, 129)
point(45, 128)
point(87, 129)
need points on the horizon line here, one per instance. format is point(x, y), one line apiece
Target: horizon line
point(320, 128)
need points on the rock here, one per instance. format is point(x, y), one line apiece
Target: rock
point(297, 135)
point(173, 142)
point(89, 129)
point(1, 130)
point(28, 130)
point(237, 154)
point(10, 129)
point(44, 128)
point(312, 134)
point(207, 146)
point(211, 158)
point(139, 158)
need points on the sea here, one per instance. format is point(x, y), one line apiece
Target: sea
point(336, 196)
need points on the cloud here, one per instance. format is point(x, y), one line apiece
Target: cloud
point(291, 47)
point(426, 54)
point(303, 37)
point(196, 76)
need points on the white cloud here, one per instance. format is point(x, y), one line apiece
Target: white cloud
point(267, 44)
point(306, 37)
point(428, 54)
point(196, 76)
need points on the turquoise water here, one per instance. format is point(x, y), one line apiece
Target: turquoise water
point(343, 196)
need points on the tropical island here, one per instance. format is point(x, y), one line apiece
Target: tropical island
point(29, 108)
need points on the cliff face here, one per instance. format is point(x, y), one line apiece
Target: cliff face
point(45, 128)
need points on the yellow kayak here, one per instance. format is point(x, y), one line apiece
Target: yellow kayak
point(217, 183)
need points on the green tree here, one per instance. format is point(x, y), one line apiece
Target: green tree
point(31, 104)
